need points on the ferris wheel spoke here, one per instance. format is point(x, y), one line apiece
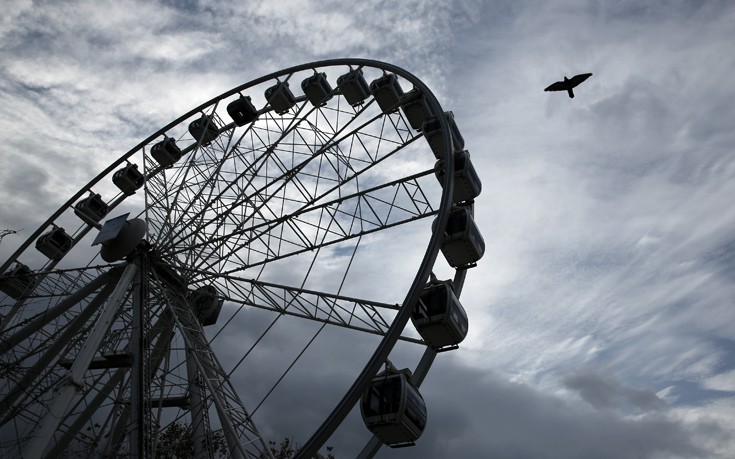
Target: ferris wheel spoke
point(198, 144)
point(50, 287)
point(387, 206)
point(285, 174)
point(354, 313)
point(300, 139)
point(35, 325)
point(48, 345)
point(268, 224)
point(166, 202)
point(51, 420)
point(225, 157)
point(103, 386)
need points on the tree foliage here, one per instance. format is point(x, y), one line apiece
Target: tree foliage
point(287, 448)
point(177, 442)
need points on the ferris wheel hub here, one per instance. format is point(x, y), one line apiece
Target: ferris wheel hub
point(119, 237)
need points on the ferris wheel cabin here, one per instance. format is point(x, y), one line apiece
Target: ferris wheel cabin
point(317, 89)
point(92, 207)
point(204, 129)
point(467, 184)
point(166, 152)
point(416, 108)
point(439, 317)
point(433, 134)
point(393, 409)
point(242, 111)
point(387, 92)
point(280, 97)
point(128, 179)
point(17, 281)
point(55, 243)
point(354, 87)
point(207, 303)
point(462, 244)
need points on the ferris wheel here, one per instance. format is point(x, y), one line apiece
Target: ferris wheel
point(320, 195)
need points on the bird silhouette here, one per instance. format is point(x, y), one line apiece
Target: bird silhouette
point(568, 84)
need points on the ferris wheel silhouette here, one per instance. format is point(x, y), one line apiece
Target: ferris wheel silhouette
point(299, 195)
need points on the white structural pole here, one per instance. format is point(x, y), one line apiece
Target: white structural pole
point(104, 392)
point(8, 342)
point(21, 389)
point(75, 377)
point(199, 423)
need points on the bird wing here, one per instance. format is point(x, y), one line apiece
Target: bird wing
point(558, 86)
point(576, 79)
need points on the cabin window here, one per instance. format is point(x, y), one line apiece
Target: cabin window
point(415, 409)
point(384, 397)
point(457, 223)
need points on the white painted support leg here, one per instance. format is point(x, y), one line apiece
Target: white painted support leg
point(75, 377)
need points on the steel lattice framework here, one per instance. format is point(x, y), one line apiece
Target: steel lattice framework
point(282, 214)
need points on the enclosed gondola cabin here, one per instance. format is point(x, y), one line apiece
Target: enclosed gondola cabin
point(433, 134)
point(462, 245)
point(467, 185)
point(204, 129)
point(416, 108)
point(55, 243)
point(393, 409)
point(317, 89)
point(128, 179)
point(92, 207)
point(439, 317)
point(353, 86)
point(280, 97)
point(207, 304)
point(166, 152)
point(242, 111)
point(17, 281)
point(387, 92)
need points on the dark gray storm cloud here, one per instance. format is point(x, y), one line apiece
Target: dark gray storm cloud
point(482, 414)
point(606, 392)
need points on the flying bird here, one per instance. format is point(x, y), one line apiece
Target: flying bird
point(569, 83)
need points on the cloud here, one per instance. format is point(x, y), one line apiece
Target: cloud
point(605, 392)
point(722, 381)
point(473, 411)
point(607, 218)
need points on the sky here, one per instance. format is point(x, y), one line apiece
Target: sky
point(601, 314)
